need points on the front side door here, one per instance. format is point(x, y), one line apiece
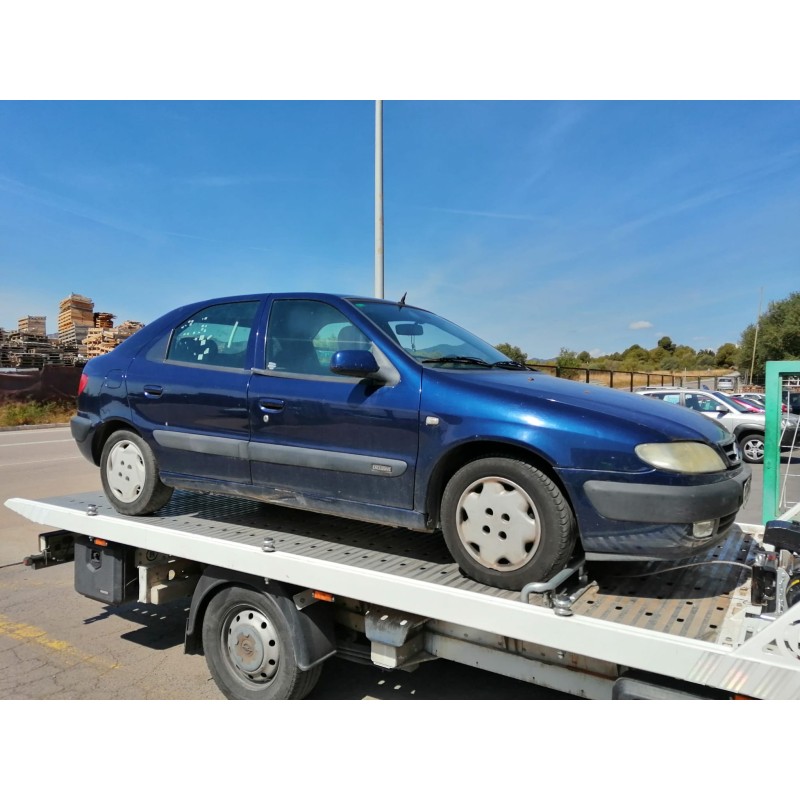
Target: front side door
point(332, 437)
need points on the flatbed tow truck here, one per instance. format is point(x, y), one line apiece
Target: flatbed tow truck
point(275, 592)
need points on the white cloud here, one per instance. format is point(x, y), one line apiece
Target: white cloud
point(638, 326)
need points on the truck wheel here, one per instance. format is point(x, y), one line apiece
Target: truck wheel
point(506, 523)
point(753, 448)
point(130, 478)
point(249, 648)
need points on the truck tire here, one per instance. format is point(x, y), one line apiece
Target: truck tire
point(506, 523)
point(752, 448)
point(129, 474)
point(249, 648)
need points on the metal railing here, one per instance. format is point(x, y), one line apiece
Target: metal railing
point(627, 380)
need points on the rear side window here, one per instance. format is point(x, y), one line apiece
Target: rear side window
point(216, 336)
point(667, 397)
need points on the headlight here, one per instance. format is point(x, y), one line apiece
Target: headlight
point(689, 457)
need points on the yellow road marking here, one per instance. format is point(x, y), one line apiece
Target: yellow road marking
point(30, 634)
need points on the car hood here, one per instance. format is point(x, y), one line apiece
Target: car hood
point(528, 389)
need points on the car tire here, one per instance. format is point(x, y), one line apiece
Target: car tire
point(130, 477)
point(506, 523)
point(752, 447)
point(249, 648)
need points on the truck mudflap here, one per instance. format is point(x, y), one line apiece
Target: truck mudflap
point(312, 626)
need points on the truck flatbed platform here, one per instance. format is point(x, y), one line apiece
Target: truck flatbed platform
point(682, 619)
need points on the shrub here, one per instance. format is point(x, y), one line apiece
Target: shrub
point(33, 413)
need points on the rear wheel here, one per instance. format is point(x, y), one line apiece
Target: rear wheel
point(506, 523)
point(249, 648)
point(753, 448)
point(129, 474)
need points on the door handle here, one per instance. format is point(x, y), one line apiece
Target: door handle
point(270, 404)
point(153, 391)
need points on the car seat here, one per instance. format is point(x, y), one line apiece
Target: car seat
point(351, 338)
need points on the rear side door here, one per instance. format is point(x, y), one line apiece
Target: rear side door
point(188, 393)
point(325, 435)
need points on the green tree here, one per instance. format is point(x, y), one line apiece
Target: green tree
point(687, 357)
point(513, 352)
point(659, 356)
point(706, 359)
point(584, 357)
point(566, 361)
point(778, 337)
point(727, 355)
point(635, 358)
point(665, 343)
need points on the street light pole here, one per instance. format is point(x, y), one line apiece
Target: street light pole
point(379, 199)
point(755, 335)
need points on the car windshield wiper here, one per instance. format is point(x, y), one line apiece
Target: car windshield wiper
point(457, 360)
point(512, 365)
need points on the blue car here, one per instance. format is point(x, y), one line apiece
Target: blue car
point(387, 413)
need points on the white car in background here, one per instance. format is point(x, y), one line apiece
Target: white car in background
point(744, 423)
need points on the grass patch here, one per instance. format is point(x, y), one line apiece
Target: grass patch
point(33, 413)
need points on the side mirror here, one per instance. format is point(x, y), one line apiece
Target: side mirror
point(354, 363)
point(721, 410)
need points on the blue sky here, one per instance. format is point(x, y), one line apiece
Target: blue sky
point(585, 225)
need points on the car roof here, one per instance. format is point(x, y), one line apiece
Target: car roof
point(672, 389)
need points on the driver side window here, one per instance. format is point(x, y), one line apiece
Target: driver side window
point(303, 335)
point(707, 404)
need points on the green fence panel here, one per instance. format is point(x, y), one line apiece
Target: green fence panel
point(776, 370)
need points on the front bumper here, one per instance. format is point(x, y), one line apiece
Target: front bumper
point(644, 521)
point(647, 502)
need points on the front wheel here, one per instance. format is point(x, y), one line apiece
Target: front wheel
point(506, 523)
point(753, 448)
point(129, 474)
point(249, 648)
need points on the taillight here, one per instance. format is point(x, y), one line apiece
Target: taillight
point(82, 385)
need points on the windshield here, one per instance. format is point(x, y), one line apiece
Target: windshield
point(430, 339)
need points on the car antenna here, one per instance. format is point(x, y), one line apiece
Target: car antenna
point(402, 300)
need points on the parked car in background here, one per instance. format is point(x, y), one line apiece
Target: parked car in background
point(792, 399)
point(745, 423)
point(757, 398)
point(751, 402)
point(725, 384)
point(384, 412)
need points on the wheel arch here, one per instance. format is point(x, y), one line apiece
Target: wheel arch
point(747, 429)
point(104, 431)
point(312, 627)
point(467, 452)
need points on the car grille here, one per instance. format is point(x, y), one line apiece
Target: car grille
point(731, 450)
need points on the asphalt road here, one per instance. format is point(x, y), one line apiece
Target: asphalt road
point(56, 644)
